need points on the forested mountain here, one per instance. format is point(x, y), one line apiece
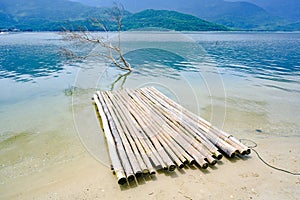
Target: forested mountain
point(44, 15)
point(41, 15)
point(241, 15)
point(171, 20)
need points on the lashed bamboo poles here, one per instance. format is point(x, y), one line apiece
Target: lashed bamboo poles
point(151, 150)
point(203, 124)
point(160, 146)
point(170, 147)
point(186, 127)
point(144, 160)
point(176, 137)
point(145, 129)
point(189, 144)
point(140, 135)
point(134, 156)
point(188, 124)
point(121, 150)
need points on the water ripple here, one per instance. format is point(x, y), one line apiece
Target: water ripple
point(275, 59)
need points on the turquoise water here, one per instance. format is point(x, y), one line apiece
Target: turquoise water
point(245, 83)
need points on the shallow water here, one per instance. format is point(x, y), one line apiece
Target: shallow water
point(245, 83)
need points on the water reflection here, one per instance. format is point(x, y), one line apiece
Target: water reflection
point(121, 79)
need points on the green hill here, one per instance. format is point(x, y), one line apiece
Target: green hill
point(44, 15)
point(238, 14)
point(169, 20)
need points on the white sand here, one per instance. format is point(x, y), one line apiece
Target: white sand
point(85, 178)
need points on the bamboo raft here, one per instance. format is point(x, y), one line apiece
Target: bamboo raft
point(146, 131)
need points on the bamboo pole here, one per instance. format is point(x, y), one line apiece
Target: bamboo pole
point(112, 149)
point(127, 129)
point(143, 123)
point(146, 142)
point(191, 126)
point(194, 143)
point(126, 143)
point(177, 134)
point(188, 142)
point(183, 160)
point(226, 137)
point(162, 148)
point(185, 127)
point(161, 136)
point(171, 132)
point(243, 149)
point(133, 129)
point(161, 155)
point(122, 154)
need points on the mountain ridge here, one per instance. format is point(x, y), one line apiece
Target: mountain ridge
point(239, 15)
point(35, 15)
point(170, 20)
point(41, 15)
point(288, 9)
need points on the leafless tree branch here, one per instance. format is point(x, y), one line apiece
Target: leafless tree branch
point(85, 36)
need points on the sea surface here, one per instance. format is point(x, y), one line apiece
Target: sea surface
point(247, 83)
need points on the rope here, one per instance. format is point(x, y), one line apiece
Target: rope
point(254, 144)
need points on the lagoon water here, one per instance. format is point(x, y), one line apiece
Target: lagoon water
point(245, 83)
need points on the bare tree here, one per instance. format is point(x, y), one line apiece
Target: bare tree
point(116, 14)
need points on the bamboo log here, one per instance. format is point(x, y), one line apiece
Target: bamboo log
point(128, 131)
point(187, 127)
point(226, 137)
point(132, 126)
point(199, 136)
point(126, 142)
point(183, 160)
point(243, 149)
point(162, 135)
point(168, 149)
point(112, 149)
point(219, 142)
point(146, 126)
point(230, 139)
point(122, 154)
point(176, 137)
point(145, 141)
point(162, 156)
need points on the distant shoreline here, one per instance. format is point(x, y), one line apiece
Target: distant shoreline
point(167, 31)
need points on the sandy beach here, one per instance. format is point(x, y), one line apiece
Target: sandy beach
point(84, 177)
